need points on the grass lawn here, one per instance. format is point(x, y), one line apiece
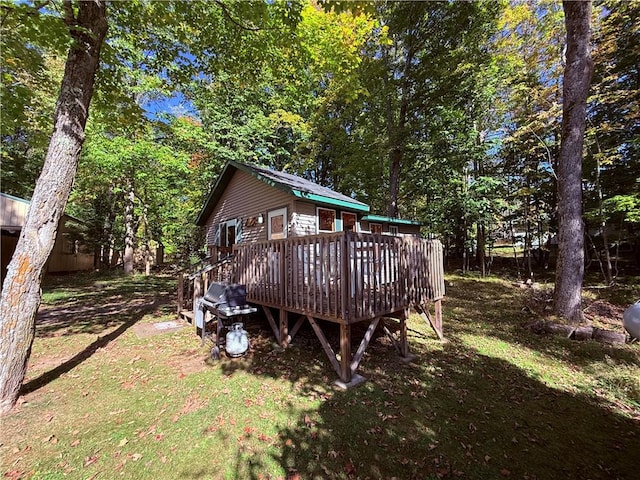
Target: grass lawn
point(104, 400)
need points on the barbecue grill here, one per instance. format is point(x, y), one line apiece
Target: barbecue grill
point(227, 303)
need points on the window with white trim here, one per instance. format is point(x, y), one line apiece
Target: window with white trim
point(393, 230)
point(349, 222)
point(229, 233)
point(326, 219)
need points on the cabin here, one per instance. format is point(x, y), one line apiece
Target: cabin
point(69, 253)
point(250, 204)
point(308, 253)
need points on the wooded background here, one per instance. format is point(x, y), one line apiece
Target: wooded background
point(444, 112)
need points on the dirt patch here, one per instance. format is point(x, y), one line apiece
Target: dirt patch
point(598, 313)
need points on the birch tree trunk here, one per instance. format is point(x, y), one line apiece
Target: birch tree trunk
point(577, 78)
point(21, 295)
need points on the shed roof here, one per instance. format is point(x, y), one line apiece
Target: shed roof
point(291, 184)
point(13, 212)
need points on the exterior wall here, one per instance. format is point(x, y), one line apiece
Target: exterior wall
point(246, 197)
point(304, 221)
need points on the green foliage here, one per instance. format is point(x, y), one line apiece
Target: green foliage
point(612, 163)
point(465, 94)
point(33, 44)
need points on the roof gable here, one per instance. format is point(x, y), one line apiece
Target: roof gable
point(291, 184)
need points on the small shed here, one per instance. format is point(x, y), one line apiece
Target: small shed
point(69, 254)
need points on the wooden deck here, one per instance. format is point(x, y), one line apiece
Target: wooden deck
point(343, 277)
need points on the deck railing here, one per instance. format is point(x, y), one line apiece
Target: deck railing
point(193, 282)
point(344, 276)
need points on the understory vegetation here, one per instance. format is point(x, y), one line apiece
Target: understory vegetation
point(109, 396)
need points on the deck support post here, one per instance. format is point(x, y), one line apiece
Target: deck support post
point(404, 344)
point(434, 321)
point(197, 293)
point(272, 322)
point(345, 352)
point(284, 329)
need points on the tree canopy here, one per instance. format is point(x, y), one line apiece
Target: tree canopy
point(448, 113)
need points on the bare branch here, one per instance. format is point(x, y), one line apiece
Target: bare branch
point(69, 17)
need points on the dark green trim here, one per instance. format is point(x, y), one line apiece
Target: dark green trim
point(393, 221)
point(330, 201)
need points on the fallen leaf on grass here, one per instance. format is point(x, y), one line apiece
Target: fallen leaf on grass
point(123, 442)
point(90, 460)
point(349, 468)
point(15, 474)
point(504, 472)
point(75, 443)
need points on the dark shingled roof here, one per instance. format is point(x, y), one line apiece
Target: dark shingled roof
point(291, 184)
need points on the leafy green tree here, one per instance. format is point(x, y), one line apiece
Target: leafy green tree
point(612, 162)
point(529, 48)
point(86, 25)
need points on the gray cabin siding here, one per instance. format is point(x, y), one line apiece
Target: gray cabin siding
point(304, 221)
point(245, 197)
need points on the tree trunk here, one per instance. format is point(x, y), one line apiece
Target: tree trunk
point(21, 289)
point(480, 249)
point(129, 229)
point(577, 77)
point(395, 161)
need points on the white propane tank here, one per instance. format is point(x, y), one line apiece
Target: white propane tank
point(237, 342)
point(631, 320)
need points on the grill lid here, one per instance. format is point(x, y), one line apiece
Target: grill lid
point(227, 294)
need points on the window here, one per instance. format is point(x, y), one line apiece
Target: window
point(229, 233)
point(393, 230)
point(277, 224)
point(375, 228)
point(349, 222)
point(69, 245)
point(326, 220)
